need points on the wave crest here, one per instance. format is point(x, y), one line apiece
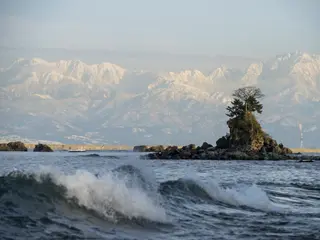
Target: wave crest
point(237, 196)
point(108, 196)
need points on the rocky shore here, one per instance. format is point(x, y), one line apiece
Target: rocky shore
point(237, 145)
point(208, 152)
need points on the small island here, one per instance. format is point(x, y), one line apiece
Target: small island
point(13, 147)
point(246, 139)
point(21, 147)
point(42, 148)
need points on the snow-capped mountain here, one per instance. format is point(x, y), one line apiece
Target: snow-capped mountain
point(69, 100)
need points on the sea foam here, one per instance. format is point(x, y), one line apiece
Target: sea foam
point(107, 195)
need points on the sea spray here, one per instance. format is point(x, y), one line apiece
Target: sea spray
point(194, 188)
point(250, 196)
point(107, 195)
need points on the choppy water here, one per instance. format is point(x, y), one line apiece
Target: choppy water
point(115, 195)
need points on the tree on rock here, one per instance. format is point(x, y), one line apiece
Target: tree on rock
point(245, 100)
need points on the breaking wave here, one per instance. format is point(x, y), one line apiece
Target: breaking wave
point(126, 193)
point(107, 196)
point(238, 196)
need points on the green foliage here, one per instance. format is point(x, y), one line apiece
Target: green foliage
point(253, 105)
point(237, 108)
point(245, 100)
point(246, 131)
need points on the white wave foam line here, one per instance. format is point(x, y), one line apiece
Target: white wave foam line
point(250, 196)
point(108, 195)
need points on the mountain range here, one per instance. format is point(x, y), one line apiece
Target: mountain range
point(72, 101)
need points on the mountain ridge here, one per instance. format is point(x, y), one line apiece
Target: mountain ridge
point(69, 98)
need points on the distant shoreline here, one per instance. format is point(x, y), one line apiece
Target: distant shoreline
point(88, 147)
point(305, 150)
point(92, 147)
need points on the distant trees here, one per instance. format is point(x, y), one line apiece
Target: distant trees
point(245, 100)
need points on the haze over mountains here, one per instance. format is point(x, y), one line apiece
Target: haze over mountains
point(74, 101)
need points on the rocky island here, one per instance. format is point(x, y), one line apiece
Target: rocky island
point(13, 146)
point(42, 148)
point(246, 139)
point(21, 147)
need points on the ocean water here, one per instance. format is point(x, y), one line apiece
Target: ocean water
point(115, 195)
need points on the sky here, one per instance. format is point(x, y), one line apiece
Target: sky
point(254, 28)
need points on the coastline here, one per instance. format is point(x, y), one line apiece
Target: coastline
point(305, 150)
point(92, 147)
point(88, 147)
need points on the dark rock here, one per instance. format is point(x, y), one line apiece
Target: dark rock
point(42, 148)
point(195, 157)
point(206, 145)
point(158, 148)
point(192, 146)
point(211, 149)
point(172, 149)
point(13, 146)
point(185, 155)
point(223, 142)
point(201, 151)
point(140, 148)
point(144, 148)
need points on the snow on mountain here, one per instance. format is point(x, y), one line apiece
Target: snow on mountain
point(41, 71)
point(252, 74)
point(56, 100)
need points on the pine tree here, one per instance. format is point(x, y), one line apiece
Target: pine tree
point(245, 100)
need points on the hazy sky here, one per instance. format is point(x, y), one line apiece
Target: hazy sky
point(229, 27)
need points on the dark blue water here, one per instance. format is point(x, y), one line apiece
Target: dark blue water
point(115, 195)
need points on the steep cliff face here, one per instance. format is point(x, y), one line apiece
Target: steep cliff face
point(246, 133)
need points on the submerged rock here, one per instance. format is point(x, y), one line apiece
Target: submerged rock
point(42, 148)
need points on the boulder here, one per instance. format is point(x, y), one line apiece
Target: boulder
point(144, 148)
point(206, 145)
point(42, 148)
point(140, 148)
point(192, 146)
point(172, 149)
point(211, 149)
point(158, 148)
point(223, 142)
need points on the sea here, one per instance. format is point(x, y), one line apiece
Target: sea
point(118, 195)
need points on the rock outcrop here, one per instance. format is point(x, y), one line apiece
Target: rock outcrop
point(245, 141)
point(214, 153)
point(42, 148)
point(13, 146)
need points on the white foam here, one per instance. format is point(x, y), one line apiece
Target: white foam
point(108, 195)
point(249, 196)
